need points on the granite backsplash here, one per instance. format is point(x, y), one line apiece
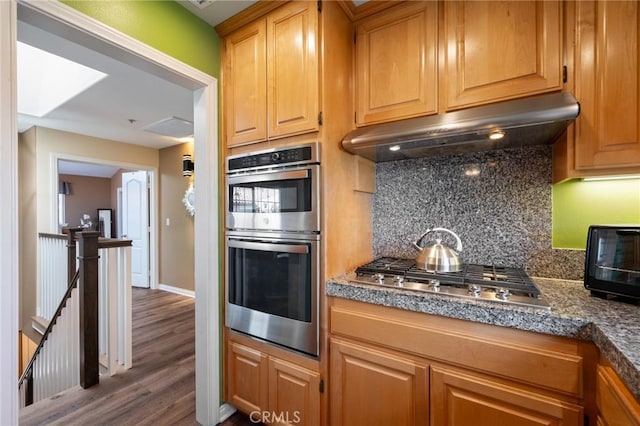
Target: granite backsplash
point(498, 202)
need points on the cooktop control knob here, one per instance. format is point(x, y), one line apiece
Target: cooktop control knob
point(398, 280)
point(276, 156)
point(474, 290)
point(502, 293)
point(379, 278)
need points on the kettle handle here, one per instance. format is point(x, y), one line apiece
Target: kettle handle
point(416, 243)
point(458, 242)
point(458, 248)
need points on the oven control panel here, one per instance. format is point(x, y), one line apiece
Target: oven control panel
point(303, 154)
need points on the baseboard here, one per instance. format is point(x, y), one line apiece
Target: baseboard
point(225, 411)
point(176, 290)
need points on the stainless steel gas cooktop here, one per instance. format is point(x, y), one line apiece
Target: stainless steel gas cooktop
point(511, 286)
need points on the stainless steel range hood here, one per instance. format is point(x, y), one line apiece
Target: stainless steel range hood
point(531, 121)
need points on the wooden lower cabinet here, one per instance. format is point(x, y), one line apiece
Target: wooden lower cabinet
point(269, 389)
point(294, 396)
point(372, 387)
point(616, 405)
point(392, 366)
point(458, 399)
point(247, 378)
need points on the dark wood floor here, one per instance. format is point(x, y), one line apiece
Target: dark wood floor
point(160, 387)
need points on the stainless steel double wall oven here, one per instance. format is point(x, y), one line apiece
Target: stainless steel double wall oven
point(273, 245)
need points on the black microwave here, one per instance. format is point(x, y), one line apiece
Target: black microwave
point(612, 262)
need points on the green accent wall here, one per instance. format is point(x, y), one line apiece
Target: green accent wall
point(578, 204)
point(164, 25)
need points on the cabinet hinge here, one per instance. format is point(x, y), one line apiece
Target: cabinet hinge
point(321, 386)
point(319, 5)
point(320, 118)
point(564, 74)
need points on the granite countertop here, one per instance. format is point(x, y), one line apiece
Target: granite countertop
point(613, 326)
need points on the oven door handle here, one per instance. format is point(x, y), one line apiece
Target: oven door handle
point(265, 177)
point(289, 248)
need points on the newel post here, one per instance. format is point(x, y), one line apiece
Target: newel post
point(88, 292)
point(71, 252)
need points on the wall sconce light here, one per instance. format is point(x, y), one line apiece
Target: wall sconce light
point(64, 188)
point(187, 165)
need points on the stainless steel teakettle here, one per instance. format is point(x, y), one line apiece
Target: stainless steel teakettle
point(439, 257)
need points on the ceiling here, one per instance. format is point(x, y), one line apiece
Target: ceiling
point(117, 107)
point(215, 11)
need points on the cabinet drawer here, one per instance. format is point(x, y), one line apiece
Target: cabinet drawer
point(513, 354)
point(461, 398)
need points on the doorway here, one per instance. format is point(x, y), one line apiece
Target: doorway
point(102, 38)
point(132, 187)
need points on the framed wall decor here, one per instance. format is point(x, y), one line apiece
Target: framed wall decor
point(105, 222)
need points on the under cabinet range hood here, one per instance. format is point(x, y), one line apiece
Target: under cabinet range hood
point(530, 121)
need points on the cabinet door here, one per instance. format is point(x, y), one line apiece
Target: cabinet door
point(294, 394)
point(396, 63)
point(501, 50)
point(292, 69)
point(616, 405)
point(458, 398)
point(607, 85)
point(247, 378)
point(245, 90)
point(371, 387)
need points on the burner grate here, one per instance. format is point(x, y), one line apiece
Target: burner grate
point(386, 265)
point(486, 276)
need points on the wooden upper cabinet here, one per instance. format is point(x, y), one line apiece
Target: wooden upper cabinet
point(270, 76)
point(607, 85)
point(500, 50)
point(245, 89)
point(292, 69)
point(396, 63)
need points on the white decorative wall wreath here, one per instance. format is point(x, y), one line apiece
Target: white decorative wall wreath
point(189, 200)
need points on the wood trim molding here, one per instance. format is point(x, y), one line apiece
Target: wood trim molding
point(9, 267)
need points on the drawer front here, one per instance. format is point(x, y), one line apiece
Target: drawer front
point(498, 351)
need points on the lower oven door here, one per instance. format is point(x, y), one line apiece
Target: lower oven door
point(272, 288)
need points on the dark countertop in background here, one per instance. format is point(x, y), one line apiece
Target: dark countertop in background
point(613, 326)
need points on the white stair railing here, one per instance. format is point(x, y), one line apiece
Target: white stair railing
point(114, 308)
point(52, 273)
point(57, 366)
point(114, 287)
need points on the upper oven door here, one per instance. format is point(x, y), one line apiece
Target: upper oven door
point(278, 200)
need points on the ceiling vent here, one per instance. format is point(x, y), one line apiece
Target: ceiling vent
point(201, 4)
point(172, 126)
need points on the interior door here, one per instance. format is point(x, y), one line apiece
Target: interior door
point(135, 224)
